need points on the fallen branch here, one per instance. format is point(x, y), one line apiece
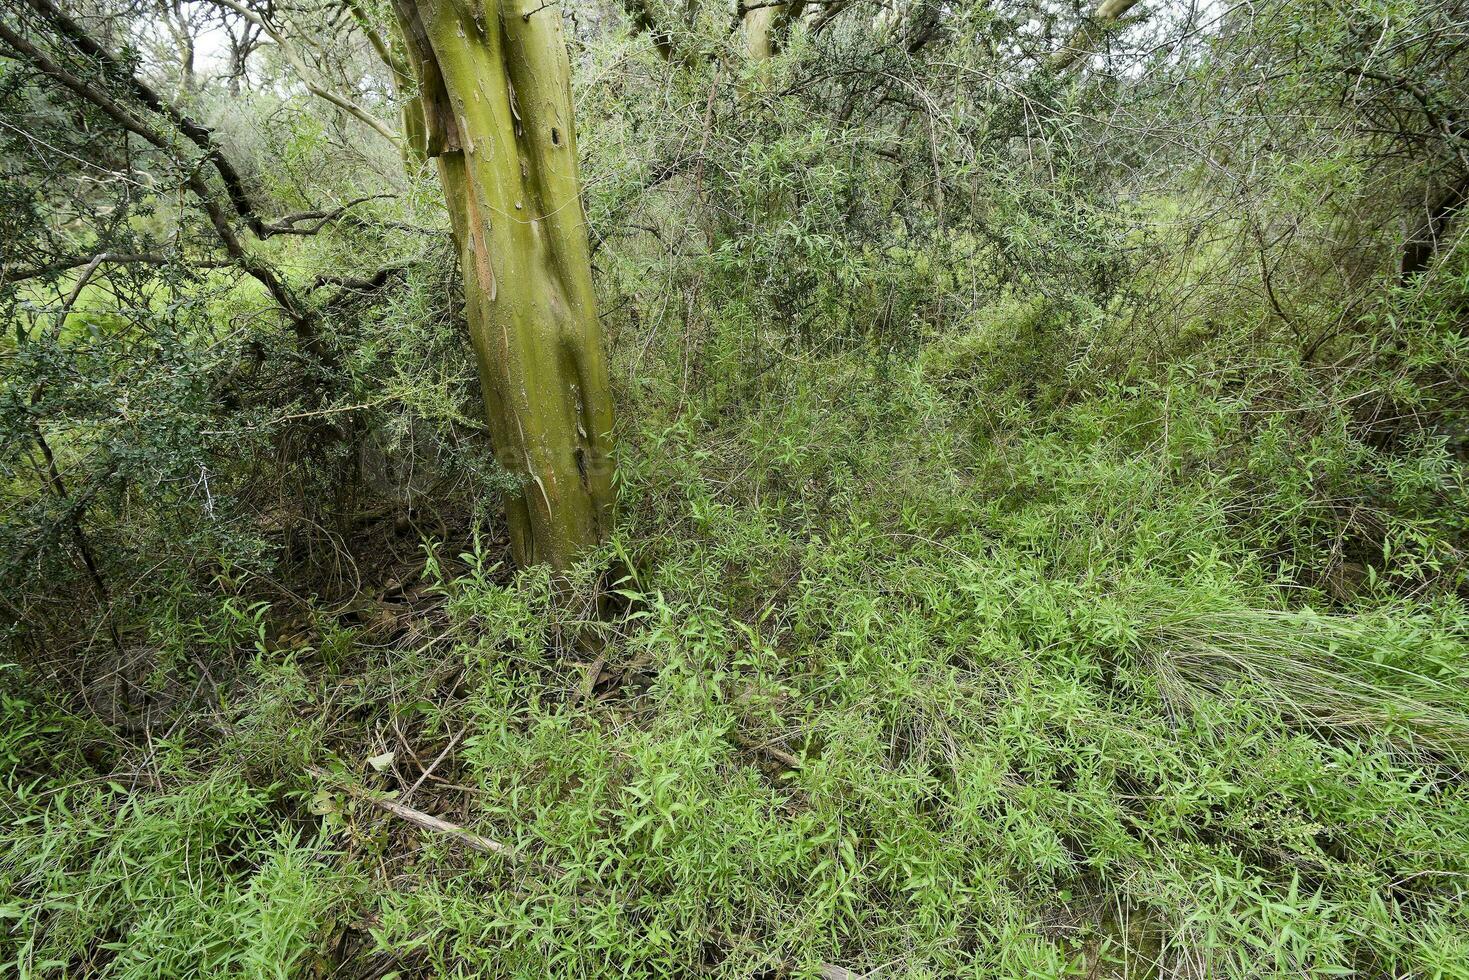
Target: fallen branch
point(418, 818)
point(780, 756)
point(434, 765)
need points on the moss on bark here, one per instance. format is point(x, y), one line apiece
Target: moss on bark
point(494, 85)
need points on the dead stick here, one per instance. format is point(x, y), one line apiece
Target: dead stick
point(766, 749)
point(432, 765)
point(420, 819)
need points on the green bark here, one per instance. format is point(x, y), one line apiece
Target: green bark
point(767, 24)
point(494, 84)
point(759, 24)
point(391, 52)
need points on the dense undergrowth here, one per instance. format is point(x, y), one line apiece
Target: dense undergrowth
point(911, 676)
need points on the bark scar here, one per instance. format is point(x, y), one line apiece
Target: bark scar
point(479, 245)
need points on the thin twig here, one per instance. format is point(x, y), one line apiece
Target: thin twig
point(418, 818)
point(433, 765)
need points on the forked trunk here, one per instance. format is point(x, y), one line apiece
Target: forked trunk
point(494, 83)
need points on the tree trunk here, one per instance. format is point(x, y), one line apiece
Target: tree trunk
point(642, 19)
point(390, 52)
point(759, 25)
point(767, 23)
point(1431, 227)
point(494, 83)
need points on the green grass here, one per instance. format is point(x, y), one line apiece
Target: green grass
point(1061, 697)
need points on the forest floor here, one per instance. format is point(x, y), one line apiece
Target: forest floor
point(907, 682)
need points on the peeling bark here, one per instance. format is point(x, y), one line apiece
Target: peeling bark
point(494, 86)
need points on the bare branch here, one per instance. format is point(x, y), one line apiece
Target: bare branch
point(287, 225)
point(288, 50)
point(299, 315)
point(1083, 42)
point(198, 134)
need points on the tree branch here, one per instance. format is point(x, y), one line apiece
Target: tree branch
point(294, 58)
point(102, 258)
point(1082, 43)
point(287, 224)
point(299, 315)
point(197, 133)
